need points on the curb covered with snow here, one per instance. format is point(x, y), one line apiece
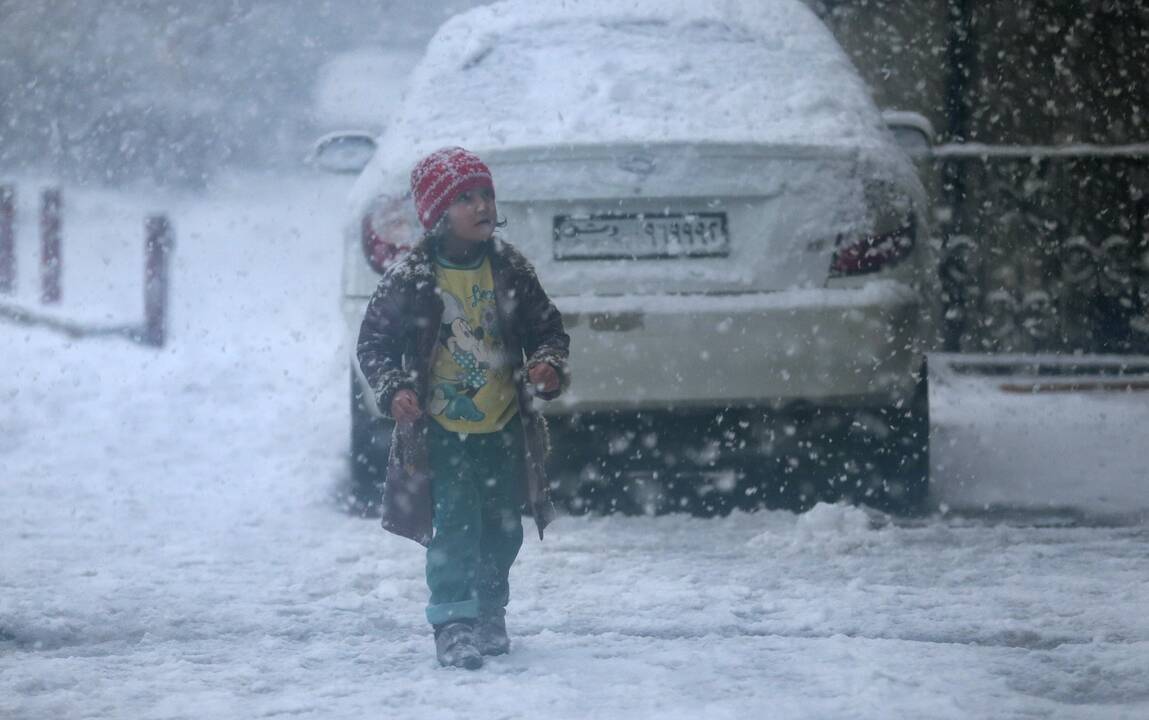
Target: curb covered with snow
point(1003, 438)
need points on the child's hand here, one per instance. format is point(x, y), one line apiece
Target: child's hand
point(405, 407)
point(543, 377)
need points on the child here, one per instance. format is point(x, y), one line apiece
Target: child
point(456, 340)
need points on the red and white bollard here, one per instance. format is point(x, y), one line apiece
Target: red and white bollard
point(7, 239)
point(158, 245)
point(157, 250)
point(50, 212)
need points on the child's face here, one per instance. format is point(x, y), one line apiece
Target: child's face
point(471, 215)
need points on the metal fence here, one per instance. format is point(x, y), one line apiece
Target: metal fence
point(1045, 249)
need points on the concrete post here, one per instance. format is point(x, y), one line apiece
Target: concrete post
point(157, 250)
point(50, 258)
point(7, 239)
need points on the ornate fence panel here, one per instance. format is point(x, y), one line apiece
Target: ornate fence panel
point(1045, 249)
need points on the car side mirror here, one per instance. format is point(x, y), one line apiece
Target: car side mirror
point(912, 131)
point(342, 152)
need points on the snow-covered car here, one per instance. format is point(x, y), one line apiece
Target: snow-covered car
point(736, 242)
point(361, 88)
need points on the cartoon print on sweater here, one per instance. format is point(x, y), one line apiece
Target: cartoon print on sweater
point(453, 397)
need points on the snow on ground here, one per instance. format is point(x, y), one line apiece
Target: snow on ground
point(168, 550)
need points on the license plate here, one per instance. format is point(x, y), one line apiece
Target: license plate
point(632, 236)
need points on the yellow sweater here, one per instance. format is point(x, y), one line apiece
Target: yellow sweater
point(471, 386)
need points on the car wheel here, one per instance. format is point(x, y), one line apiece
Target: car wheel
point(367, 457)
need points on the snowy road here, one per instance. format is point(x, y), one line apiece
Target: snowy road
point(167, 549)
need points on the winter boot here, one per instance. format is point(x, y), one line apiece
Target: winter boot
point(491, 635)
point(455, 645)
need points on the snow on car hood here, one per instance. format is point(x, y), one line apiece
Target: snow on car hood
point(524, 73)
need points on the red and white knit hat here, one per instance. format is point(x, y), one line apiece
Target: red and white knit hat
point(442, 175)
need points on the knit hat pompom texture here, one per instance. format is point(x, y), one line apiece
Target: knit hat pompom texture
point(442, 175)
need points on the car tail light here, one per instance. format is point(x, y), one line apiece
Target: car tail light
point(388, 231)
point(873, 251)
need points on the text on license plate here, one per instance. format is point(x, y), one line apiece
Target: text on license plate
point(640, 236)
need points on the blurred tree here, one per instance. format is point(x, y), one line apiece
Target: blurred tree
point(1027, 72)
point(1055, 72)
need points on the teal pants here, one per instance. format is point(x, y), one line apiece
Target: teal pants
point(476, 489)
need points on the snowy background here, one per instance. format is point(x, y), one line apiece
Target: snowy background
point(173, 91)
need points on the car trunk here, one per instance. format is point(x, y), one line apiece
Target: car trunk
point(678, 218)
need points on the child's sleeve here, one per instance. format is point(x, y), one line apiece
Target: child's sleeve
point(544, 338)
point(382, 337)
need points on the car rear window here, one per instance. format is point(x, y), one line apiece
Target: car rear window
point(649, 81)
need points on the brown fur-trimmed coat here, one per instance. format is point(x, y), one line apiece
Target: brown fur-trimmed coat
point(396, 348)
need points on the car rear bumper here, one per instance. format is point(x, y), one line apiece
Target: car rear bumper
point(856, 346)
point(841, 346)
